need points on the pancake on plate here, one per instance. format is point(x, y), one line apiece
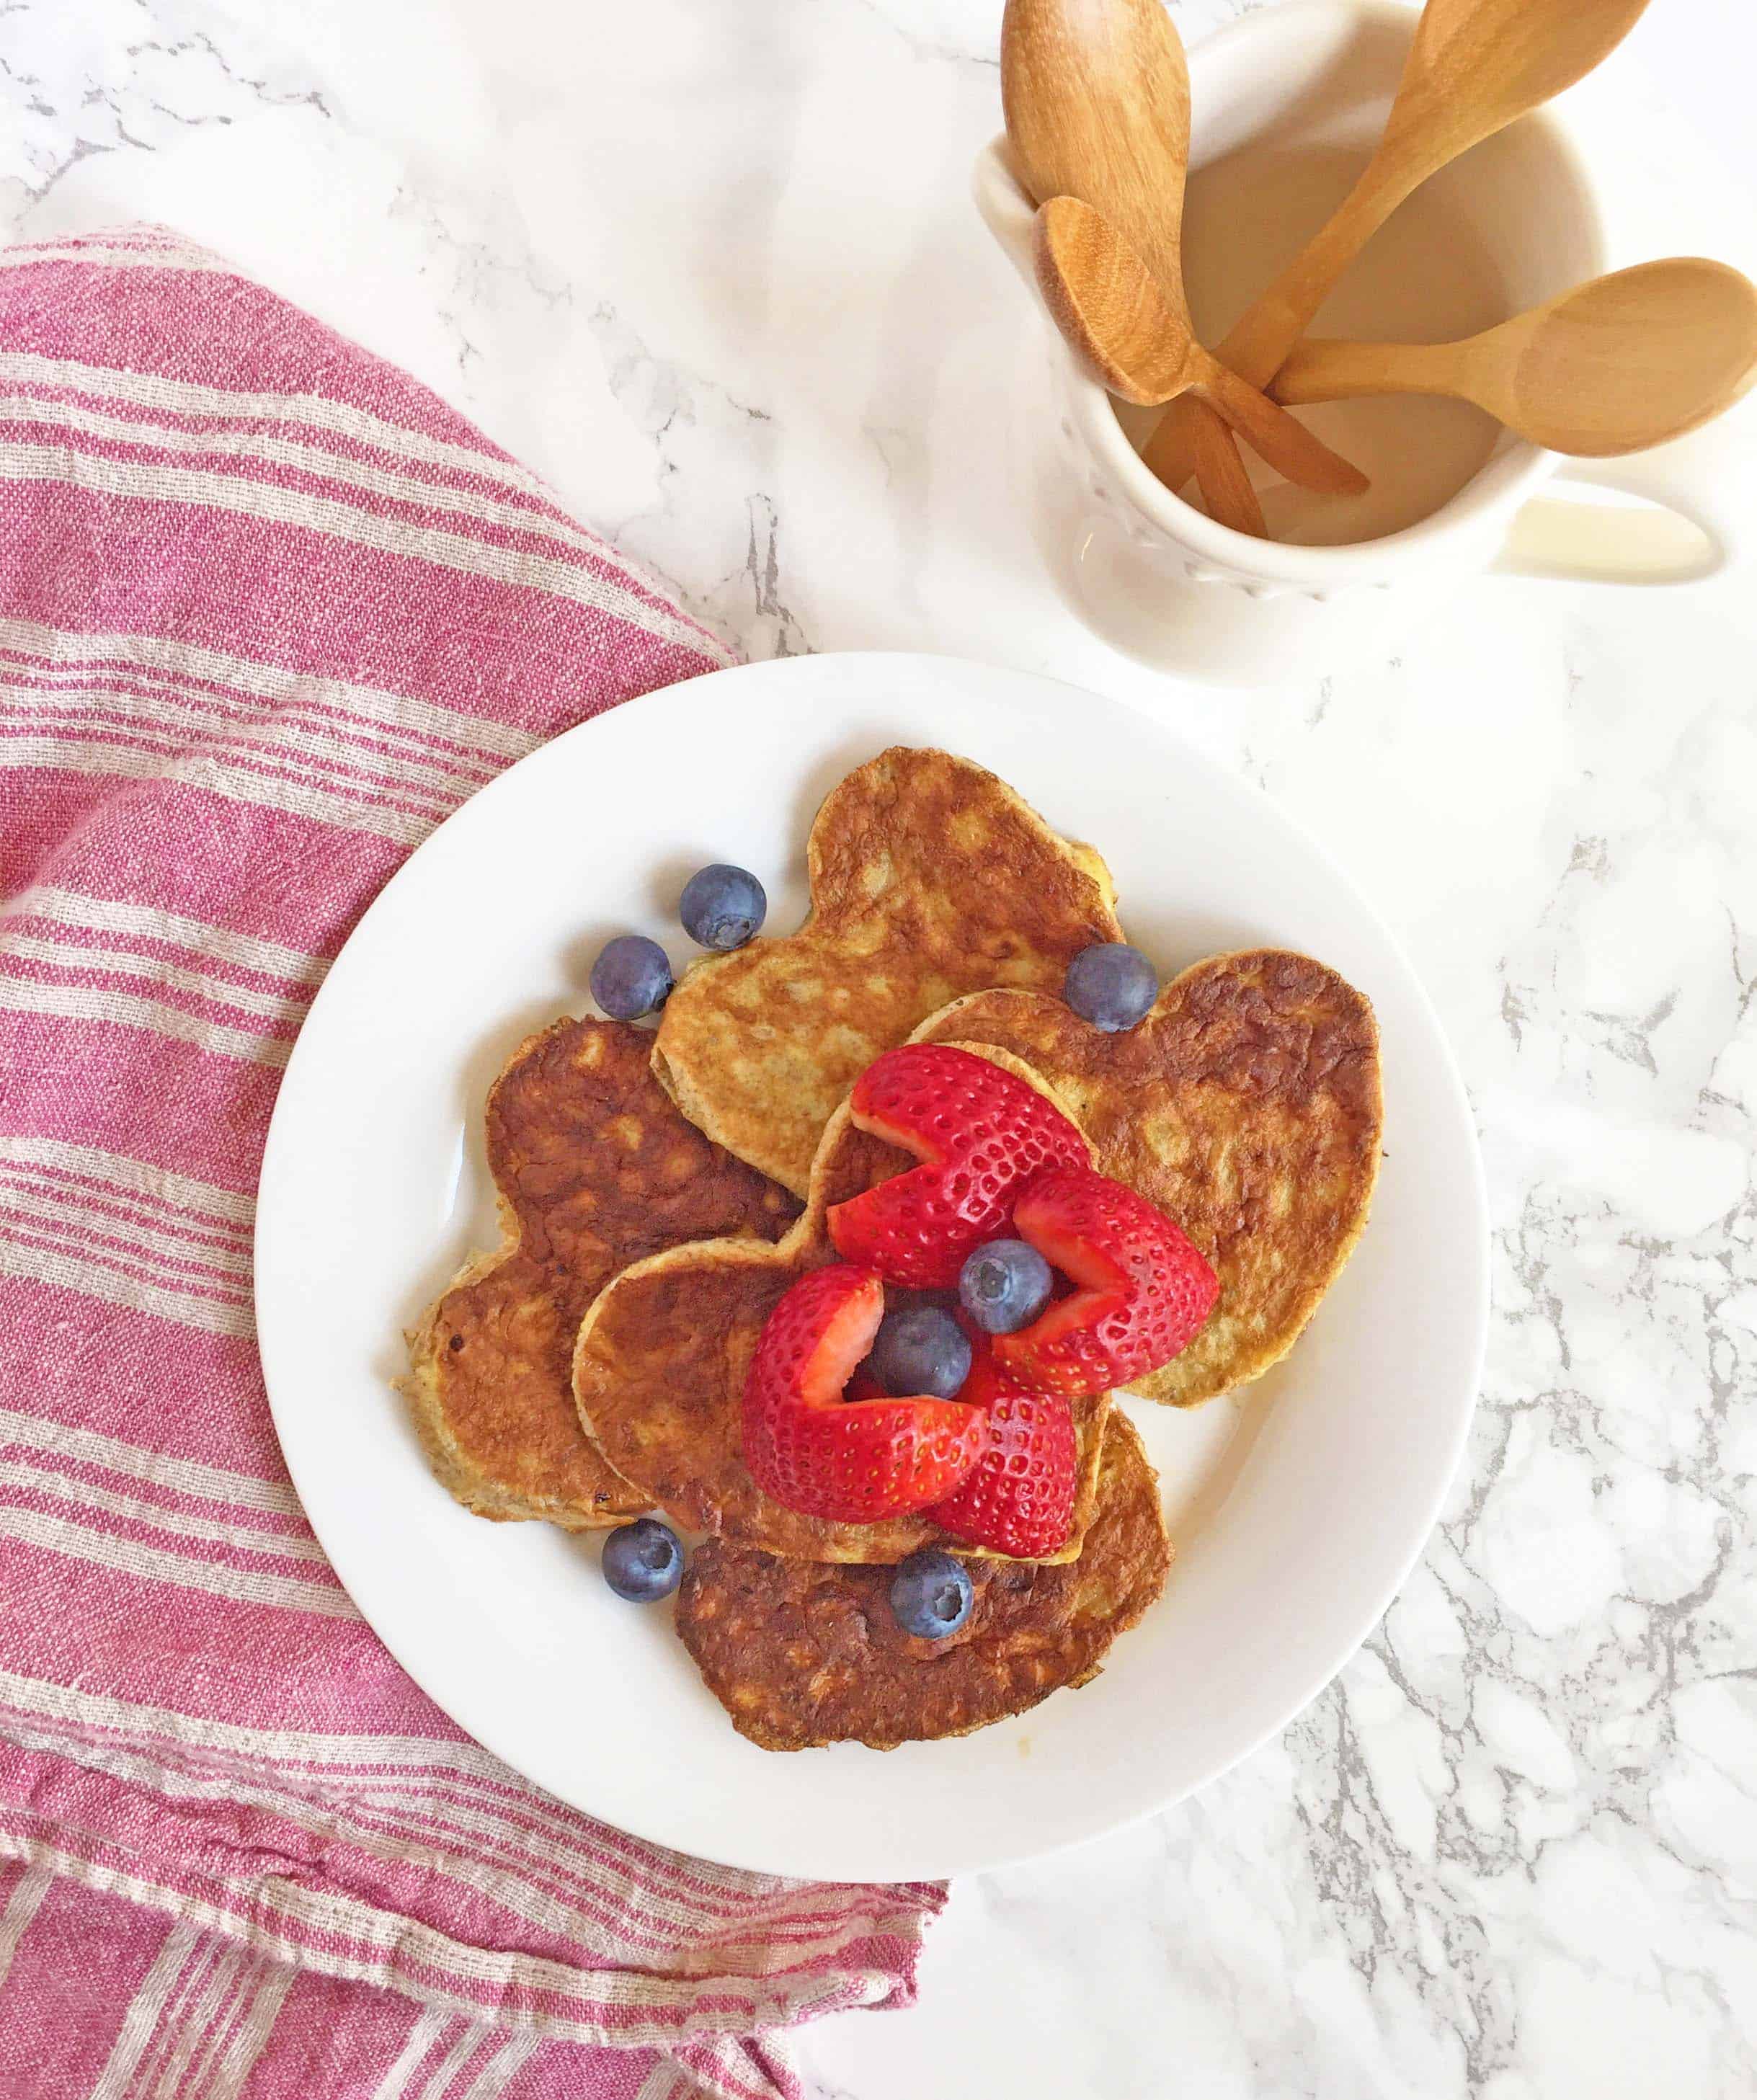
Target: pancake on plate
point(659, 1372)
point(802, 1653)
point(929, 879)
point(595, 1168)
point(1247, 1107)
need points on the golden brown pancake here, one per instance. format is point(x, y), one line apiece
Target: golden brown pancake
point(929, 879)
point(659, 1374)
point(801, 1653)
point(1247, 1107)
point(595, 1168)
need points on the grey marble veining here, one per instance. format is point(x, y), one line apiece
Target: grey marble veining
point(712, 270)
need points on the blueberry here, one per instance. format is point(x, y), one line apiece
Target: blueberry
point(1004, 1285)
point(921, 1349)
point(931, 1593)
point(722, 907)
point(643, 1560)
point(1112, 985)
point(631, 977)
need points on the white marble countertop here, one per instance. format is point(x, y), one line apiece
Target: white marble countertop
point(711, 267)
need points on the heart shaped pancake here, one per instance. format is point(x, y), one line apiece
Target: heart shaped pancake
point(658, 1372)
point(1246, 1106)
point(800, 1653)
point(929, 879)
point(595, 1168)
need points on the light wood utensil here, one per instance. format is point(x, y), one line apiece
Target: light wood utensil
point(1137, 342)
point(1617, 365)
point(1474, 67)
point(1097, 97)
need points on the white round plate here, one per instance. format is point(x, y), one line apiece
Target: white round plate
point(1297, 1508)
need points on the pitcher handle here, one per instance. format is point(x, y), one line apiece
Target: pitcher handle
point(1701, 485)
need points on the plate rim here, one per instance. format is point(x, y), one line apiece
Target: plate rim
point(1419, 1526)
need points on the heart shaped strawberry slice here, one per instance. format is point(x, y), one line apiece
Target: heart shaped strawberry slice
point(1142, 1290)
point(847, 1462)
point(1018, 1497)
point(981, 1133)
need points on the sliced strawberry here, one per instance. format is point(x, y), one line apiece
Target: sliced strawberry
point(1018, 1497)
point(1142, 1290)
point(849, 1463)
point(980, 1133)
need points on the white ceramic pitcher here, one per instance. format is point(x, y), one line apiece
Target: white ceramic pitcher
point(1158, 578)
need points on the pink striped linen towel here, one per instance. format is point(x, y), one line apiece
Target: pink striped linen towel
point(268, 611)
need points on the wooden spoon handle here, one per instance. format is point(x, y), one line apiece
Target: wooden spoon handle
point(1322, 370)
point(1188, 429)
point(1281, 439)
point(1269, 329)
point(1225, 480)
point(1282, 313)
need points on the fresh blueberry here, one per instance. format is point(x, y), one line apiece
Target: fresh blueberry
point(1112, 985)
point(931, 1593)
point(631, 977)
point(722, 907)
point(921, 1349)
point(643, 1560)
point(1004, 1285)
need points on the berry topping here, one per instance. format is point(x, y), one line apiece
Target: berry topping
point(931, 1593)
point(921, 1349)
point(875, 1459)
point(980, 1131)
point(643, 1561)
point(1019, 1498)
point(722, 905)
point(1143, 1290)
point(1004, 1285)
point(631, 977)
point(1112, 985)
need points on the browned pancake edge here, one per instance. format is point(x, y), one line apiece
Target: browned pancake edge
point(930, 878)
point(595, 1168)
point(802, 1654)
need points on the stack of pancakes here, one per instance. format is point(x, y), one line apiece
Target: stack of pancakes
point(659, 1194)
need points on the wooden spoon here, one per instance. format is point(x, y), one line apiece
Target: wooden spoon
point(1097, 96)
point(1137, 342)
point(1474, 67)
point(1613, 366)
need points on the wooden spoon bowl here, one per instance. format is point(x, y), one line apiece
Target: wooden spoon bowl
point(1097, 97)
point(1616, 365)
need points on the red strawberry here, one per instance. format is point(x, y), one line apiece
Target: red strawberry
point(1019, 1496)
point(850, 1463)
point(981, 1133)
point(1143, 1291)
